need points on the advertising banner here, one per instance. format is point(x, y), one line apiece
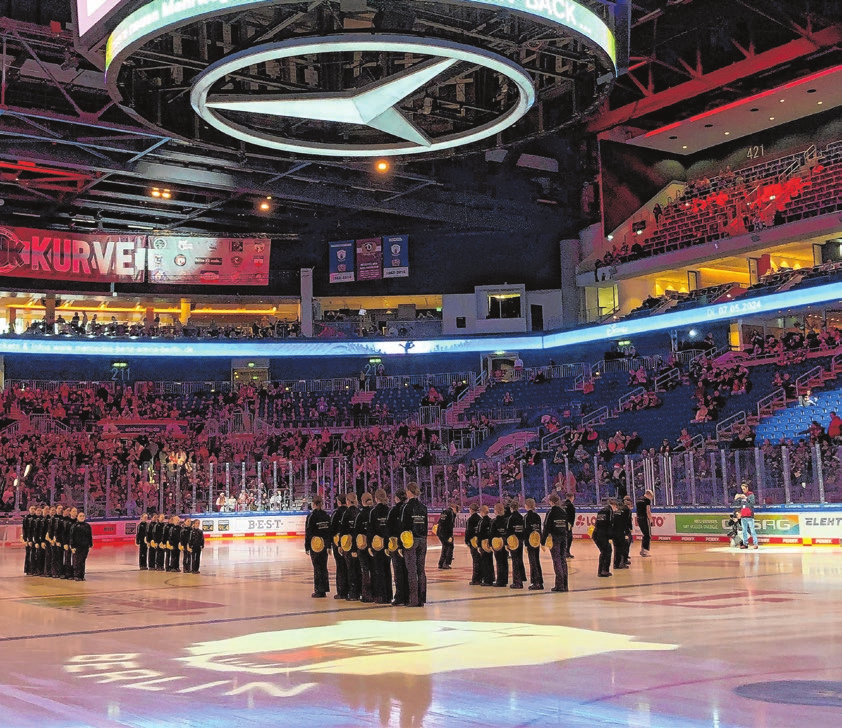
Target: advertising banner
point(396, 256)
point(767, 524)
point(369, 259)
point(130, 428)
point(72, 256)
point(342, 261)
point(209, 261)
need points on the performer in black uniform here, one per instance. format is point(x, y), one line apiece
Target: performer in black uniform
point(38, 530)
point(414, 520)
point(158, 541)
point(555, 528)
point(378, 537)
point(532, 525)
point(195, 546)
point(472, 542)
point(316, 540)
point(341, 569)
point(620, 535)
point(47, 529)
point(26, 539)
point(349, 548)
point(444, 532)
point(141, 540)
point(393, 527)
point(498, 544)
point(486, 552)
point(361, 543)
point(644, 521)
point(81, 541)
point(514, 544)
point(183, 543)
point(603, 528)
point(67, 570)
point(173, 542)
point(570, 512)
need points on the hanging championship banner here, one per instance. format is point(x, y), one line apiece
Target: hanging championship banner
point(72, 256)
point(369, 259)
point(211, 261)
point(396, 256)
point(342, 261)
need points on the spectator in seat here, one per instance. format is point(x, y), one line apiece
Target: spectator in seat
point(834, 429)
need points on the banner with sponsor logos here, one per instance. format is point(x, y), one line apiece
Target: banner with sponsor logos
point(72, 256)
point(369, 259)
point(131, 428)
point(396, 256)
point(342, 261)
point(209, 261)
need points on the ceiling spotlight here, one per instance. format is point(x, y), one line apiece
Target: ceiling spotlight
point(611, 237)
point(782, 100)
point(820, 103)
point(166, 194)
point(264, 206)
point(684, 147)
point(727, 133)
point(155, 192)
point(771, 118)
point(382, 166)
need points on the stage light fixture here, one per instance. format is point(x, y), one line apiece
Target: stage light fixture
point(382, 166)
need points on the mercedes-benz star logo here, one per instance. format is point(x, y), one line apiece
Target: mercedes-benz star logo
point(373, 106)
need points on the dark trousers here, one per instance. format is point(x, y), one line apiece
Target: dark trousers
point(341, 573)
point(160, 557)
point(416, 562)
point(446, 558)
point(79, 559)
point(603, 543)
point(401, 578)
point(186, 561)
point(151, 555)
point(620, 550)
point(352, 565)
point(501, 559)
point(28, 559)
point(58, 560)
point(48, 560)
point(569, 539)
point(196, 561)
point(518, 571)
point(381, 577)
point(38, 562)
point(646, 532)
point(366, 565)
point(69, 569)
point(321, 579)
point(536, 573)
point(142, 555)
point(559, 564)
point(476, 562)
point(487, 567)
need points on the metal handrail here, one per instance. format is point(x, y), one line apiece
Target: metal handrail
point(766, 406)
point(806, 380)
point(598, 417)
point(727, 425)
point(663, 379)
point(547, 441)
point(628, 396)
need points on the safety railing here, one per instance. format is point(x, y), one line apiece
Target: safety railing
point(808, 380)
point(662, 381)
point(628, 397)
point(725, 428)
point(597, 417)
point(771, 403)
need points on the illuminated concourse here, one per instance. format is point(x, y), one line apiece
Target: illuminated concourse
point(693, 636)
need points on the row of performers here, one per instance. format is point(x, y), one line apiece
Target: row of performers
point(57, 541)
point(380, 552)
point(163, 542)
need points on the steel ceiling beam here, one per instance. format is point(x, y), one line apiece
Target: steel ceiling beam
point(799, 48)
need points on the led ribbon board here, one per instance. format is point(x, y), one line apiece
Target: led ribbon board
point(773, 303)
point(160, 15)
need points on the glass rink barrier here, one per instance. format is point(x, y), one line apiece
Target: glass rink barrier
point(801, 473)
